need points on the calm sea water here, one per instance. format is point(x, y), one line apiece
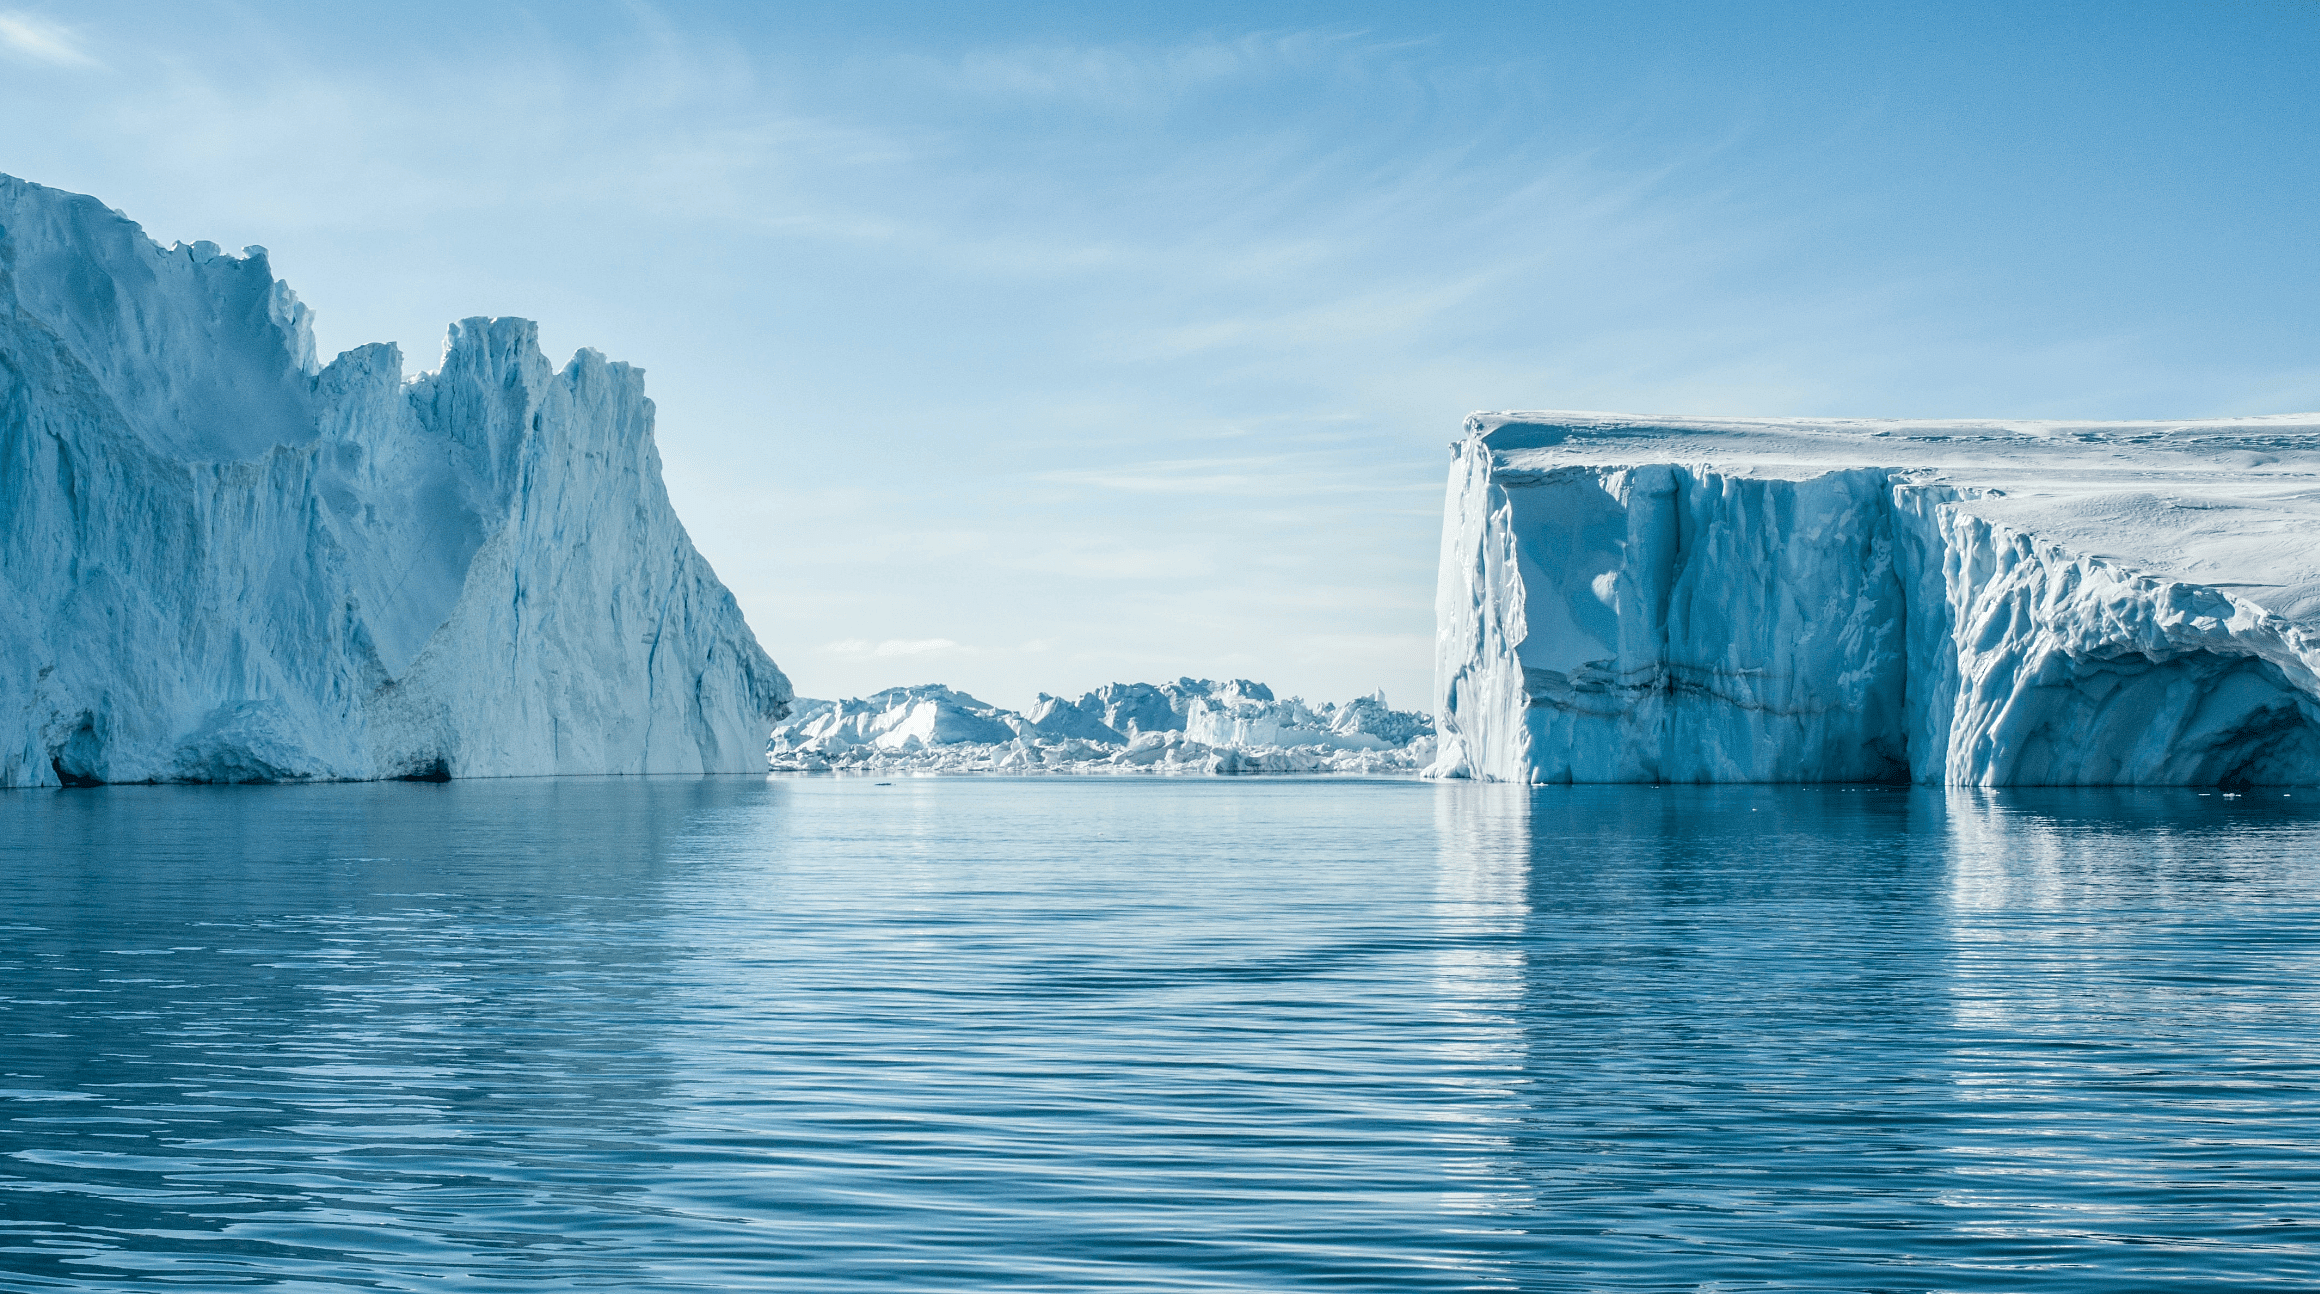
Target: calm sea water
point(1156, 1035)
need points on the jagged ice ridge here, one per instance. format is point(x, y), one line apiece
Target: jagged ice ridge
point(1188, 726)
point(1963, 603)
point(222, 562)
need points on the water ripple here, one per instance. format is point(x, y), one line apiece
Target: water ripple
point(1166, 1035)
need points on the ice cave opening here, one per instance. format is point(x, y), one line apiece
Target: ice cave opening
point(79, 759)
point(2198, 718)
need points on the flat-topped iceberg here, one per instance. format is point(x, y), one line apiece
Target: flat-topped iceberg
point(1970, 603)
point(1188, 726)
point(220, 562)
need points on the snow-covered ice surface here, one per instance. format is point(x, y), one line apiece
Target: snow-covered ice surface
point(1973, 603)
point(1188, 726)
point(221, 562)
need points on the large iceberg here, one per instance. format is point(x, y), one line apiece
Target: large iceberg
point(1969, 603)
point(1188, 726)
point(220, 561)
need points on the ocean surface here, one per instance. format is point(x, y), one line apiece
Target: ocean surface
point(1156, 1034)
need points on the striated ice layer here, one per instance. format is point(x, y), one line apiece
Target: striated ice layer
point(1985, 604)
point(220, 563)
point(1188, 726)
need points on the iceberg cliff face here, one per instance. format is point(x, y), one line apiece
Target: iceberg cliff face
point(222, 564)
point(2029, 603)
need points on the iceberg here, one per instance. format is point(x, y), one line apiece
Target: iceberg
point(1988, 604)
point(1188, 726)
point(221, 561)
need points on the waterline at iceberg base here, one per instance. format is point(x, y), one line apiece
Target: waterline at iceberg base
point(223, 562)
point(1188, 726)
point(1970, 603)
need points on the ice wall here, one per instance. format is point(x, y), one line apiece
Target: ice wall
point(218, 563)
point(1705, 600)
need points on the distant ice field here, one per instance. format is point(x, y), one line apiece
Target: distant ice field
point(997, 1033)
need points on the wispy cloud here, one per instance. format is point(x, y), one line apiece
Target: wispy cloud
point(1128, 77)
point(31, 36)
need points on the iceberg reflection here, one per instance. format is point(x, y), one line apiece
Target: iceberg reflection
point(1481, 986)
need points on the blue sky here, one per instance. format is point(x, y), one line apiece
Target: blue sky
point(1035, 346)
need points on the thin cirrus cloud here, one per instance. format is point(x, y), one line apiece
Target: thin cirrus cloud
point(30, 36)
point(1132, 78)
